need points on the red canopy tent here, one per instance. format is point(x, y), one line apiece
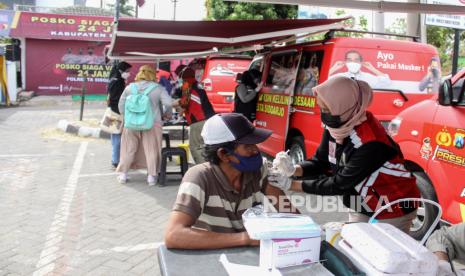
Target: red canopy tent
point(157, 39)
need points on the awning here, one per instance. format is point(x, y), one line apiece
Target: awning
point(158, 39)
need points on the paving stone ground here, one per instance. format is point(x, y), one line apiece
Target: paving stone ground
point(62, 211)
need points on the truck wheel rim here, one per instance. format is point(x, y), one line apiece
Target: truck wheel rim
point(297, 154)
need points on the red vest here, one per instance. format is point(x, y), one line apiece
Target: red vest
point(192, 104)
point(391, 181)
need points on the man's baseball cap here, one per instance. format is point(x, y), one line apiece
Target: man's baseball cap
point(232, 127)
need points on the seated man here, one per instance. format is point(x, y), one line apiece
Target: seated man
point(448, 243)
point(213, 195)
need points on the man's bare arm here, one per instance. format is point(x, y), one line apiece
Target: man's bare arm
point(282, 205)
point(180, 234)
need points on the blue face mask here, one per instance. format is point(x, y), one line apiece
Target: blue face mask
point(180, 82)
point(247, 164)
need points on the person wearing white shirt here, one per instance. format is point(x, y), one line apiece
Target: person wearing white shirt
point(354, 63)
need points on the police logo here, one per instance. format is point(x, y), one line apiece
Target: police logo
point(459, 140)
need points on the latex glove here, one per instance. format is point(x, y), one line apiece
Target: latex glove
point(279, 180)
point(444, 268)
point(283, 163)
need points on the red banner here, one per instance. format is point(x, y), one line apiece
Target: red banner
point(401, 69)
point(59, 68)
point(64, 67)
point(60, 26)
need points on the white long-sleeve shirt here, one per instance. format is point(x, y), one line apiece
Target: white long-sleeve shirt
point(381, 82)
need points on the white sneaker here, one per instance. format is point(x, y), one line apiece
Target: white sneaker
point(151, 180)
point(122, 178)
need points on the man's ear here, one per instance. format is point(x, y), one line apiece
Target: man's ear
point(222, 154)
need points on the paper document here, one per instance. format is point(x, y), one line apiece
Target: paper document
point(241, 270)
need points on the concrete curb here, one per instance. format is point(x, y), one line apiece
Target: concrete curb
point(175, 132)
point(82, 131)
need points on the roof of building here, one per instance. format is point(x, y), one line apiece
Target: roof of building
point(81, 10)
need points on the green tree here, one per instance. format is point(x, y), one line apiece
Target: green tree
point(440, 37)
point(443, 39)
point(360, 24)
point(124, 7)
point(224, 10)
point(398, 27)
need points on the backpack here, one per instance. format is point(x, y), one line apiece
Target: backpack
point(138, 113)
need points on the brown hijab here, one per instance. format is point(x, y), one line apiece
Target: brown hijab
point(346, 97)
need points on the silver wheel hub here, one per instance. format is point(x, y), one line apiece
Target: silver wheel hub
point(297, 154)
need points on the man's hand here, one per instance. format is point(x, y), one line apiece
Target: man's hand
point(175, 103)
point(371, 68)
point(368, 65)
point(180, 234)
point(283, 164)
point(279, 180)
point(180, 110)
point(337, 65)
point(248, 241)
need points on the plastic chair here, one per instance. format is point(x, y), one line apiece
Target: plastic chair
point(166, 137)
point(167, 153)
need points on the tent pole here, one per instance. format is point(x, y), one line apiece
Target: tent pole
point(174, 9)
point(116, 11)
point(455, 56)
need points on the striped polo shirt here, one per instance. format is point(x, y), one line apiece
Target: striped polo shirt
point(206, 195)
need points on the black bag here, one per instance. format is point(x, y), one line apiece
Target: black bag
point(336, 262)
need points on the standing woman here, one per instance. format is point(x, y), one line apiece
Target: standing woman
point(142, 148)
point(246, 97)
point(356, 158)
point(118, 76)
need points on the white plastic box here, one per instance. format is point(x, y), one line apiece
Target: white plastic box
point(382, 249)
point(278, 253)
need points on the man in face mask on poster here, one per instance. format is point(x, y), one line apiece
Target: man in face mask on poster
point(432, 79)
point(354, 64)
point(213, 195)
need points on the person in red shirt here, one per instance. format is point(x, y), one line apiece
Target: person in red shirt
point(196, 108)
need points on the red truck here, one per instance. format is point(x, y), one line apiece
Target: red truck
point(431, 135)
point(401, 73)
point(395, 69)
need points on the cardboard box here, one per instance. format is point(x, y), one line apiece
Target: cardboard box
point(279, 253)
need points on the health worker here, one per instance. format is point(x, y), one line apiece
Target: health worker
point(356, 158)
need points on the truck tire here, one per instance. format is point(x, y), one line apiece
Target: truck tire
point(426, 212)
point(296, 149)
